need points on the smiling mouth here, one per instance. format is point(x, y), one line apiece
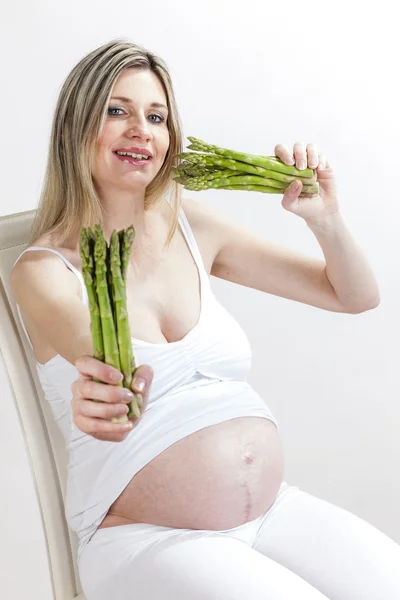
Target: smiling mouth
point(133, 160)
point(135, 155)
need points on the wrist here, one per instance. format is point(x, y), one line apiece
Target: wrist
point(325, 222)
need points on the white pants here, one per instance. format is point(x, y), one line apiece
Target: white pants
point(302, 548)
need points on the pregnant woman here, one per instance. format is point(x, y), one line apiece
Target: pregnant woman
point(188, 500)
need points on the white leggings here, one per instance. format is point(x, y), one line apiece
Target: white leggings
point(302, 548)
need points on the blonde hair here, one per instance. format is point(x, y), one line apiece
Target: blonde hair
point(68, 198)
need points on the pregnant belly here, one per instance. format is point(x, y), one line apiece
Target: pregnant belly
point(217, 478)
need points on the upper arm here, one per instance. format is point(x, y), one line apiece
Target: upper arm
point(46, 293)
point(243, 257)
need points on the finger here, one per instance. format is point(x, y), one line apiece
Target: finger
point(293, 191)
point(100, 410)
point(142, 379)
point(111, 437)
point(91, 390)
point(282, 152)
point(312, 156)
point(92, 367)
point(323, 163)
point(300, 155)
point(94, 427)
point(141, 384)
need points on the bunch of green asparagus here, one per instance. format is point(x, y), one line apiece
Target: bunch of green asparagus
point(104, 269)
point(214, 167)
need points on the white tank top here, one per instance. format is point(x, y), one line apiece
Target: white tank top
point(199, 381)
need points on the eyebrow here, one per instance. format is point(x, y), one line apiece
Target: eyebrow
point(129, 101)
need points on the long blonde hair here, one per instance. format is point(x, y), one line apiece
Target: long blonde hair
point(68, 198)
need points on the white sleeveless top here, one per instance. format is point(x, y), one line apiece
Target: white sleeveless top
point(198, 381)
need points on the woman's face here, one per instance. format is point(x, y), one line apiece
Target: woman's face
point(136, 123)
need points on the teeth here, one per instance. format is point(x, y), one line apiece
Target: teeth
point(139, 156)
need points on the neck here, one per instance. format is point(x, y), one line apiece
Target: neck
point(123, 208)
point(119, 214)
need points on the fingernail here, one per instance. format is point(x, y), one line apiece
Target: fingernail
point(116, 376)
point(290, 160)
point(138, 383)
point(320, 167)
point(302, 165)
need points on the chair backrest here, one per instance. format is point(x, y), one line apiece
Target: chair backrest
point(44, 441)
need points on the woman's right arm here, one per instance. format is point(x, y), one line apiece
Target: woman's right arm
point(48, 295)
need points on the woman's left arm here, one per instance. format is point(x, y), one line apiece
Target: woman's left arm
point(343, 282)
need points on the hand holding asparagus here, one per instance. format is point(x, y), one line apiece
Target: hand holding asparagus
point(97, 401)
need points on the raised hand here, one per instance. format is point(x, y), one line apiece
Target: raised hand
point(310, 208)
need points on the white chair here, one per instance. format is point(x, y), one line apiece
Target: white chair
point(44, 441)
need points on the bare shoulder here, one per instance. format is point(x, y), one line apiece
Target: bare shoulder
point(199, 214)
point(41, 268)
point(49, 296)
point(205, 220)
point(207, 225)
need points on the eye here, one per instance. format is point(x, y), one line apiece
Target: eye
point(114, 109)
point(162, 119)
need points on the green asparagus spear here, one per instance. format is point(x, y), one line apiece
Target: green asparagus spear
point(110, 282)
point(121, 319)
point(86, 247)
point(192, 171)
point(241, 180)
point(201, 173)
point(111, 354)
point(252, 188)
point(121, 235)
point(88, 271)
point(277, 187)
point(197, 185)
point(207, 160)
point(111, 351)
point(126, 239)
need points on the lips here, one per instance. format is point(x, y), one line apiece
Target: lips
point(135, 150)
point(133, 161)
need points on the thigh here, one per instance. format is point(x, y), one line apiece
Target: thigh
point(147, 562)
point(338, 553)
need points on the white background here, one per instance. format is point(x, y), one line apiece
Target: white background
point(247, 75)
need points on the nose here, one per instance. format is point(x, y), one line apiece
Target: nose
point(139, 129)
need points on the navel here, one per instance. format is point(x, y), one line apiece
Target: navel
point(248, 457)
